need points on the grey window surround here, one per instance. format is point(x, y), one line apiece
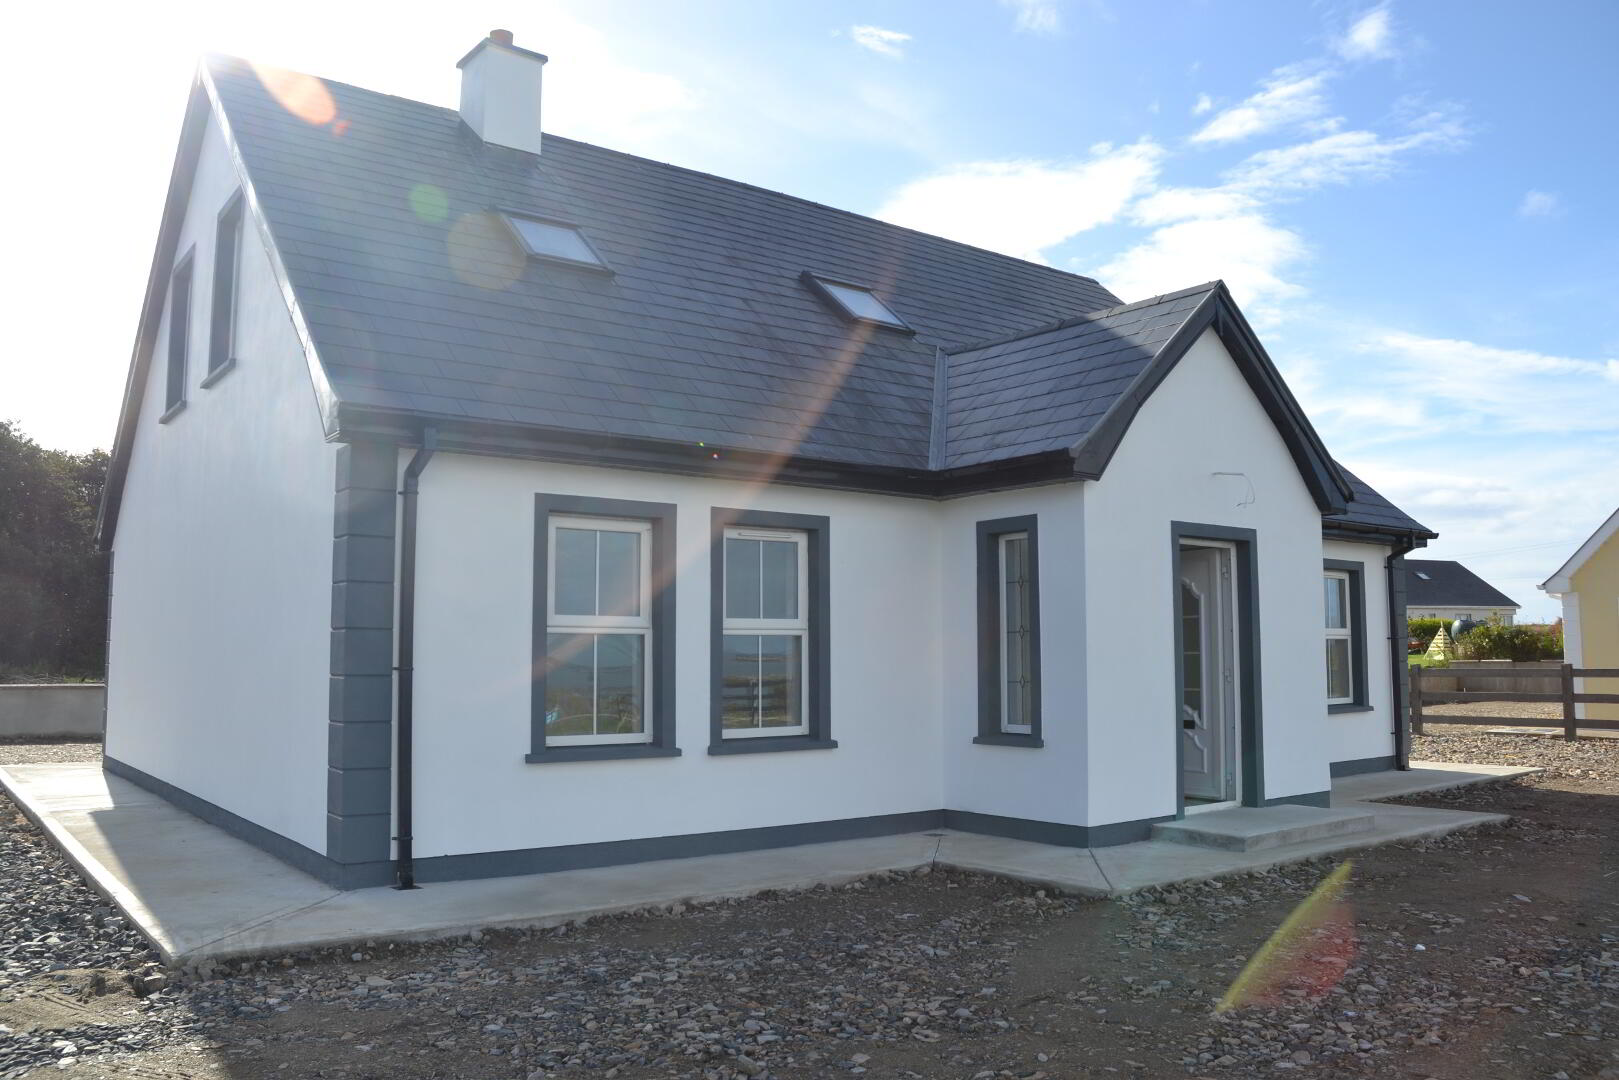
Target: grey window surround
point(989, 632)
point(1250, 712)
point(174, 391)
point(661, 721)
point(600, 266)
point(818, 679)
point(1357, 636)
point(226, 282)
point(818, 285)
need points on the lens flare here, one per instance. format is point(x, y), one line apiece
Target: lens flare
point(304, 96)
point(482, 253)
point(430, 203)
point(1307, 954)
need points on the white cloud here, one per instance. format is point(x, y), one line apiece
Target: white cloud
point(879, 40)
point(1203, 105)
point(1540, 204)
point(1227, 231)
point(1339, 158)
point(1035, 16)
point(1490, 389)
point(1292, 95)
point(1246, 250)
point(1370, 37)
point(1022, 208)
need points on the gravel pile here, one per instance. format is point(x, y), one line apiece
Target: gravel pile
point(31, 752)
point(1584, 759)
point(69, 964)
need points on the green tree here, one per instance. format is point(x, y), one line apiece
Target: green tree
point(53, 580)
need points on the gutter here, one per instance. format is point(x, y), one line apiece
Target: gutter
point(1399, 678)
point(404, 740)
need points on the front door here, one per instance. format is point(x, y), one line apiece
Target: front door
point(1207, 675)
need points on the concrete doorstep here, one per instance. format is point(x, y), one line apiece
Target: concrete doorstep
point(200, 894)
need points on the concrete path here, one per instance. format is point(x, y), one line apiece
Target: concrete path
point(200, 894)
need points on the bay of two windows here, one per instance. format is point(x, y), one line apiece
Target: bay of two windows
point(605, 643)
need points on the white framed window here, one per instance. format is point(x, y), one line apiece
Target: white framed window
point(599, 646)
point(765, 633)
point(1340, 632)
point(1017, 634)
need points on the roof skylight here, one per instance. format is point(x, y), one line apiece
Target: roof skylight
point(554, 240)
point(1423, 576)
point(856, 301)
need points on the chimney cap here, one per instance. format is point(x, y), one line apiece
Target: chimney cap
point(502, 38)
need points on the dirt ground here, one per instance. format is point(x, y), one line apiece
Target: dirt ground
point(1489, 955)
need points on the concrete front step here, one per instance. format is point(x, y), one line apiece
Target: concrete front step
point(1254, 828)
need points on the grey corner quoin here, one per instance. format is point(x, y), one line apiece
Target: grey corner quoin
point(359, 778)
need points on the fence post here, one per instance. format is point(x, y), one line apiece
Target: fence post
point(1416, 699)
point(1570, 723)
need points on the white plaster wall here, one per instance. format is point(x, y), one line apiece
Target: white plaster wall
point(221, 603)
point(1049, 783)
point(1201, 420)
point(1356, 735)
point(474, 792)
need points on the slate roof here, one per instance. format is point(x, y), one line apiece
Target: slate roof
point(420, 305)
point(1370, 509)
point(1449, 584)
point(1047, 388)
point(705, 332)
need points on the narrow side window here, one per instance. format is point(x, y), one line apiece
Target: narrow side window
point(1009, 632)
point(1344, 608)
point(227, 265)
point(174, 396)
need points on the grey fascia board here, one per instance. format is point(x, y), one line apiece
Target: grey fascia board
point(202, 104)
point(325, 397)
point(181, 176)
point(1093, 453)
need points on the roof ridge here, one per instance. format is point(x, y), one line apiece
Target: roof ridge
point(1100, 313)
point(699, 172)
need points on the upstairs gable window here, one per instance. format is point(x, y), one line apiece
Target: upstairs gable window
point(856, 302)
point(554, 240)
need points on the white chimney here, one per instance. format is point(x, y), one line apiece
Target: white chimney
point(500, 92)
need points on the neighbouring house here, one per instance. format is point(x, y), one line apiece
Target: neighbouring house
point(1588, 586)
point(1445, 589)
point(484, 504)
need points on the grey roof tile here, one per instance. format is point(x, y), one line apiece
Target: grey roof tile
point(705, 321)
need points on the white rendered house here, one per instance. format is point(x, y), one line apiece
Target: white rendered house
point(485, 507)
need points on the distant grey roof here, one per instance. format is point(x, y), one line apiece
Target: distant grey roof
point(1446, 583)
point(1371, 510)
point(704, 333)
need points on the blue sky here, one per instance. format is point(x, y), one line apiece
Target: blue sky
point(1412, 201)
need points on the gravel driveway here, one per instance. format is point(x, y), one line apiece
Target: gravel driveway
point(1488, 955)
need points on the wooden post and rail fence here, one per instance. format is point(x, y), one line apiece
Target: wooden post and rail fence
point(1566, 674)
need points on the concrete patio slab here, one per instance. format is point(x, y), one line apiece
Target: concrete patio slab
point(1422, 776)
point(200, 894)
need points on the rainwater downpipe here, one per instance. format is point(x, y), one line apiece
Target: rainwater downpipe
point(1398, 636)
point(404, 741)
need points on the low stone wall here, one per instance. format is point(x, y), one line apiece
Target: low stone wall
point(1436, 679)
point(52, 710)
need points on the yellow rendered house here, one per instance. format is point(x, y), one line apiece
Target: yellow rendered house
point(1588, 585)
